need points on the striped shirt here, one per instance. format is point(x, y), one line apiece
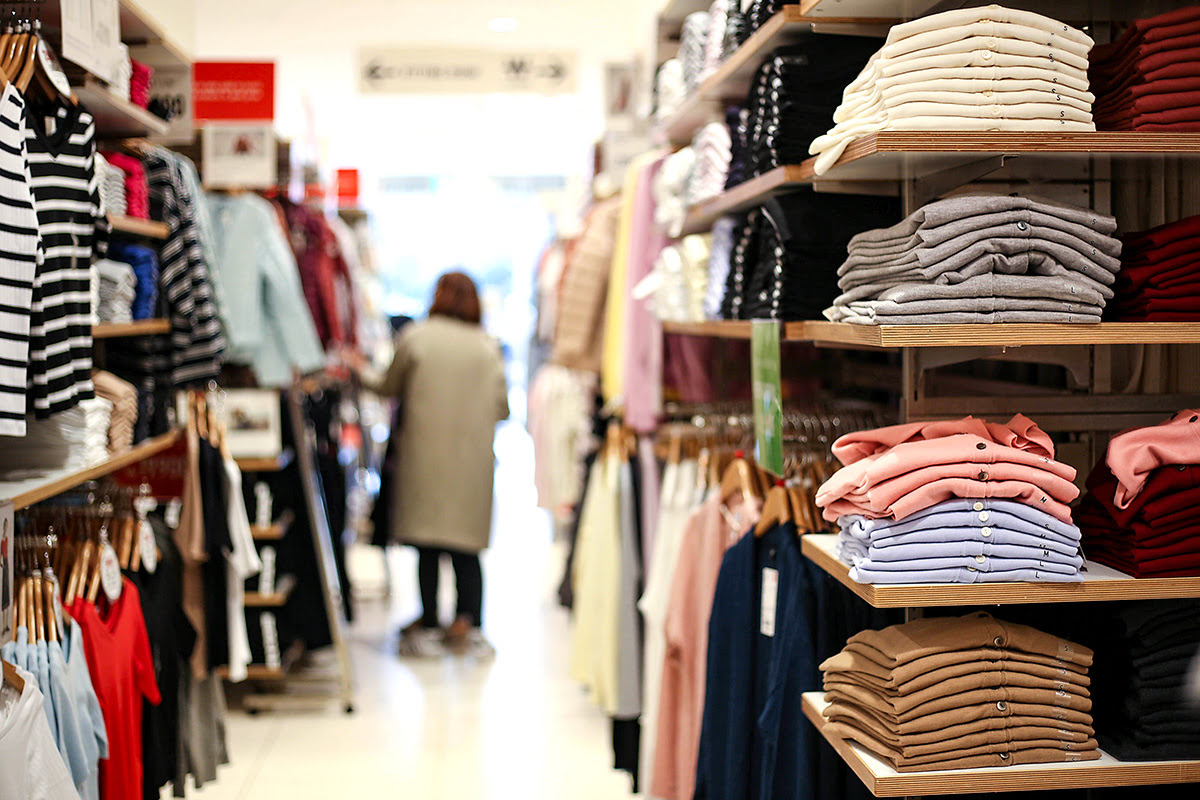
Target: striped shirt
point(19, 248)
point(60, 143)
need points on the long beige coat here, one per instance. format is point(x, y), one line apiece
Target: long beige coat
point(449, 377)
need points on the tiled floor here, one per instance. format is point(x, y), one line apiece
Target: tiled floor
point(448, 728)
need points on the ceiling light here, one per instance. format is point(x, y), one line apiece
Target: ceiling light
point(502, 25)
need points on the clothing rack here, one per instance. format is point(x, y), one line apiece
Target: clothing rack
point(1144, 178)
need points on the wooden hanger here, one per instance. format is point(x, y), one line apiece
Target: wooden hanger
point(777, 509)
point(12, 677)
point(33, 68)
point(740, 476)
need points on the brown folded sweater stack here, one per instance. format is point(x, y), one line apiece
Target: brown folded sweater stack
point(962, 693)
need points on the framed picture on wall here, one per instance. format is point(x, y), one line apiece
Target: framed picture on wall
point(253, 422)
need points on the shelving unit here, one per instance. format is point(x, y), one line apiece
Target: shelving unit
point(142, 327)
point(132, 226)
point(884, 781)
point(893, 156)
point(275, 531)
point(116, 117)
point(275, 464)
point(1102, 584)
point(150, 43)
point(23, 494)
point(720, 329)
point(276, 599)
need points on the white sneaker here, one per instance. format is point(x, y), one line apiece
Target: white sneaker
point(422, 643)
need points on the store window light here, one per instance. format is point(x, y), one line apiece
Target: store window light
point(502, 25)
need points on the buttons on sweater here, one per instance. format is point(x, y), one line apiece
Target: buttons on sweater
point(983, 516)
point(986, 533)
point(978, 505)
point(981, 446)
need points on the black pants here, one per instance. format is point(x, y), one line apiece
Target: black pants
point(468, 579)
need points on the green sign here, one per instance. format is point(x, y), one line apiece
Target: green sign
point(768, 394)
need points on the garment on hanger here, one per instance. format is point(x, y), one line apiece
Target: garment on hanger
point(324, 274)
point(31, 765)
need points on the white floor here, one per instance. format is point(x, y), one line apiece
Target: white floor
point(452, 727)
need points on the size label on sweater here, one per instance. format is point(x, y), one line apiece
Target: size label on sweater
point(770, 594)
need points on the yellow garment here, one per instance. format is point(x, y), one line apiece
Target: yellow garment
point(595, 578)
point(612, 368)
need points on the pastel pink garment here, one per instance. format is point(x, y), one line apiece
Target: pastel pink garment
point(960, 450)
point(707, 534)
point(1020, 432)
point(1134, 454)
point(943, 489)
point(890, 492)
point(643, 340)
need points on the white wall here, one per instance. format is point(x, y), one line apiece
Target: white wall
point(315, 45)
point(177, 17)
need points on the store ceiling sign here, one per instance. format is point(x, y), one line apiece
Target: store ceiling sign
point(233, 91)
point(424, 70)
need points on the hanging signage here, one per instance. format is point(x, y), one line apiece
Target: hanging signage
point(91, 36)
point(234, 156)
point(6, 571)
point(163, 472)
point(439, 70)
point(172, 88)
point(233, 91)
point(347, 188)
point(766, 371)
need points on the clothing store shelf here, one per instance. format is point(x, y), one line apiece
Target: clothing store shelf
point(732, 81)
point(719, 329)
point(275, 599)
point(1101, 584)
point(275, 531)
point(752, 193)
point(884, 781)
point(693, 114)
point(116, 117)
point(276, 464)
point(891, 156)
point(904, 9)
point(141, 327)
point(23, 494)
point(147, 40)
point(256, 672)
point(992, 335)
point(132, 226)
point(674, 12)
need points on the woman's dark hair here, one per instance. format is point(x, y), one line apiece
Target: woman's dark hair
point(457, 297)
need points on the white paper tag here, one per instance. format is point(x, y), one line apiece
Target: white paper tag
point(148, 547)
point(50, 64)
point(770, 594)
point(110, 573)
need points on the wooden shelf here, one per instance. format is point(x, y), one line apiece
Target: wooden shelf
point(275, 531)
point(901, 155)
point(905, 9)
point(884, 781)
point(132, 226)
point(116, 117)
point(276, 599)
point(23, 494)
point(256, 672)
point(720, 329)
point(275, 464)
point(1101, 584)
point(141, 327)
point(732, 80)
point(998, 335)
point(141, 31)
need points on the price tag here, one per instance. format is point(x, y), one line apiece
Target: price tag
point(110, 573)
point(50, 65)
point(148, 547)
point(770, 596)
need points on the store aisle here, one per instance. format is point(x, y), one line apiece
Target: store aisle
point(449, 728)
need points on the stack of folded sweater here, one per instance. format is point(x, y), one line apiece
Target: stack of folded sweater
point(70, 440)
point(123, 77)
point(1141, 514)
point(137, 189)
point(793, 97)
point(693, 43)
point(679, 281)
point(974, 69)
point(140, 80)
point(962, 693)
point(720, 252)
point(123, 418)
point(1159, 281)
point(784, 256)
point(981, 258)
point(1143, 651)
point(116, 292)
point(670, 191)
point(1147, 80)
point(112, 186)
point(144, 262)
point(711, 168)
point(957, 501)
point(714, 43)
point(669, 89)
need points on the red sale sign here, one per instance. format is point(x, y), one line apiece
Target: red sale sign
point(233, 90)
point(347, 188)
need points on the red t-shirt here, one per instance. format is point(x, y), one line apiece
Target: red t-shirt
point(118, 657)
